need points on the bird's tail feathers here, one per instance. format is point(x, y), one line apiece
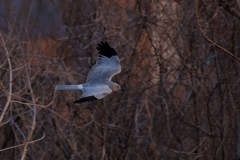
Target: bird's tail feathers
point(69, 87)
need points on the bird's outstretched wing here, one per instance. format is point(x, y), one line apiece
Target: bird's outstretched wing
point(93, 92)
point(107, 65)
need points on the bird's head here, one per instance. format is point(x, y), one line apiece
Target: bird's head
point(115, 87)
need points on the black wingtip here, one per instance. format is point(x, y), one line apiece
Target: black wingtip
point(85, 99)
point(105, 50)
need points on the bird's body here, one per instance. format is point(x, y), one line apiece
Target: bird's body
point(99, 82)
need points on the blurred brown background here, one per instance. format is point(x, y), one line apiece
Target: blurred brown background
point(181, 94)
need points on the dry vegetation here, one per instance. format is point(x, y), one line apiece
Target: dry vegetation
point(180, 76)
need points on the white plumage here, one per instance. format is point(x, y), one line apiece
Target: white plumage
point(99, 82)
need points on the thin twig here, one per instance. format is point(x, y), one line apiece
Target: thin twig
point(34, 111)
point(199, 26)
point(22, 144)
point(5, 122)
point(38, 105)
point(10, 79)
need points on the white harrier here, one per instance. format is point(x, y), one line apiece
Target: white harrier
point(99, 82)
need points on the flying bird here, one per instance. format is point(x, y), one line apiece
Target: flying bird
point(99, 83)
